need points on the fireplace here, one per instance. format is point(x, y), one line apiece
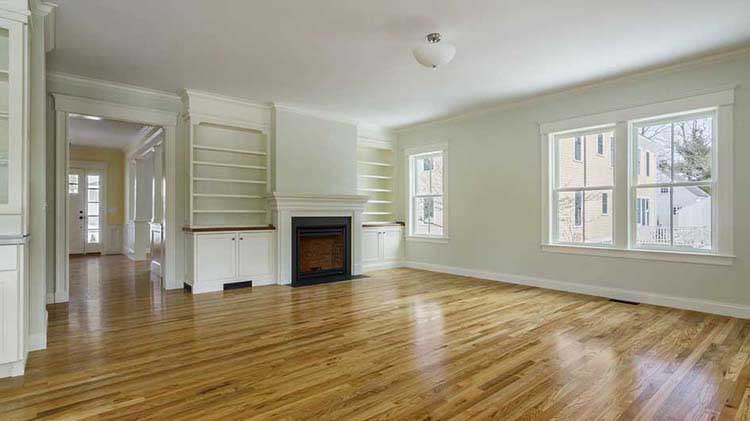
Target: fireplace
point(321, 250)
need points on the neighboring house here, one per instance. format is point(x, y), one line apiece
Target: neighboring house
point(592, 211)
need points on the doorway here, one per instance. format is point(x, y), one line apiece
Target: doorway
point(81, 218)
point(86, 204)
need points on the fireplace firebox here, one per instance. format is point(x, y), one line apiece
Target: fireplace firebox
point(321, 250)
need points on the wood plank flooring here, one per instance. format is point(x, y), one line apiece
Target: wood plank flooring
point(402, 344)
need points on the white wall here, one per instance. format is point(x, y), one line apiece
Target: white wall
point(495, 184)
point(313, 155)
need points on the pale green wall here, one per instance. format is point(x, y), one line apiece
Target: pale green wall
point(495, 189)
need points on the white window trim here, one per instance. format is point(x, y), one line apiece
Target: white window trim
point(622, 205)
point(407, 155)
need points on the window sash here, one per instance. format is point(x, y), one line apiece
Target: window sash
point(414, 197)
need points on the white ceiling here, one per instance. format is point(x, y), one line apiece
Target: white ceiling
point(353, 58)
point(105, 133)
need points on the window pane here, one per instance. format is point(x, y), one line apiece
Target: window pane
point(570, 169)
point(93, 222)
point(599, 171)
point(656, 141)
point(92, 237)
point(693, 141)
point(93, 195)
point(692, 217)
point(73, 188)
point(597, 225)
point(569, 212)
point(429, 174)
point(93, 181)
point(652, 217)
point(73, 178)
point(93, 209)
point(428, 216)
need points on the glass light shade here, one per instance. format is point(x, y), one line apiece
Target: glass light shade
point(435, 55)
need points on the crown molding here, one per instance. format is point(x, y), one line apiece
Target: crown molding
point(529, 100)
point(48, 12)
point(313, 113)
point(68, 79)
point(186, 94)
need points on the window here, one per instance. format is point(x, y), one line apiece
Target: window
point(600, 144)
point(677, 192)
point(580, 189)
point(683, 184)
point(72, 183)
point(426, 191)
point(93, 226)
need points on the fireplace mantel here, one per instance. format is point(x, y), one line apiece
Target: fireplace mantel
point(284, 206)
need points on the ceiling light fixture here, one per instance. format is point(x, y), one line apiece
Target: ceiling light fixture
point(435, 53)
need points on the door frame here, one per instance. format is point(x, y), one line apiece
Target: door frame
point(68, 104)
point(103, 225)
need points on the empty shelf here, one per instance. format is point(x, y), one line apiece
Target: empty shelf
point(379, 177)
point(220, 164)
point(377, 164)
point(233, 196)
point(377, 190)
point(228, 180)
point(214, 148)
point(228, 211)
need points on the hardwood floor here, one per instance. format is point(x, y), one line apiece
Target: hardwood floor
point(402, 344)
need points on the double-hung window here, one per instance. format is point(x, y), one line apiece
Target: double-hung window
point(427, 216)
point(665, 191)
point(583, 182)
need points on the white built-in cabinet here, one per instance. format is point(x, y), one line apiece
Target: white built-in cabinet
point(219, 258)
point(229, 236)
point(376, 173)
point(14, 191)
point(382, 246)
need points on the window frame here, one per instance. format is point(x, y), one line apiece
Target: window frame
point(605, 203)
point(410, 155)
point(622, 203)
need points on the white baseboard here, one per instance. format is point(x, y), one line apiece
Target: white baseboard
point(37, 341)
point(13, 369)
point(367, 267)
point(50, 298)
point(705, 306)
point(61, 296)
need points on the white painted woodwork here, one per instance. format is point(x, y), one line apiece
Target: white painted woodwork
point(218, 258)
point(255, 257)
point(76, 212)
point(382, 247)
point(377, 173)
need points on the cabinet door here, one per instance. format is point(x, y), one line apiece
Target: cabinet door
point(215, 257)
point(370, 246)
point(255, 255)
point(392, 245)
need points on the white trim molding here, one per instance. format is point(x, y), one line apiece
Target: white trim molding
point(659, 255)
point(284, 207)
point(684, 303)
point(407, 154)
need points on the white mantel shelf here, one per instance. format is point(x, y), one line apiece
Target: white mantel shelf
point(285, 206)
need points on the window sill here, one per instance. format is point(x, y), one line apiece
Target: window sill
point(425, 239)
point(659, 255)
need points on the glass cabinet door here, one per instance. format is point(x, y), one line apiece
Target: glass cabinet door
point(4, 134)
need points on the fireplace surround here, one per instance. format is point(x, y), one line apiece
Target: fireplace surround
point(321, 250)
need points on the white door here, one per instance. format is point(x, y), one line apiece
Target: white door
point(76, 215)
point(85, 210)
point(254, 256)
point(392, 248)
point(370, 246)
point(217, 257)
point(94, 210)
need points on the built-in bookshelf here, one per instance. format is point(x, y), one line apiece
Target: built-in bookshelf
point(229, 176)
point(376, 174)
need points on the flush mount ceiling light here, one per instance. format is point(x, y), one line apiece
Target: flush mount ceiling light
point(435, 53)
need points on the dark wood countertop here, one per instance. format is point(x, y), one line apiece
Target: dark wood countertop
point(223, 229)
point(382, 224)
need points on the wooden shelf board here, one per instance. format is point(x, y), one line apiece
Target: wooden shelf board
point(220, 228)
point(228, 180)
point(377, 164)
point(377, 213)
point(251, 211)
point(230, 196)
point(220, 164)
point(377, 190)
point(380, 202)
point(217, 149)
point(379, 177)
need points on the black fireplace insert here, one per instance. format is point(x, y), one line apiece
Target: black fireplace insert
point(321, 250)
